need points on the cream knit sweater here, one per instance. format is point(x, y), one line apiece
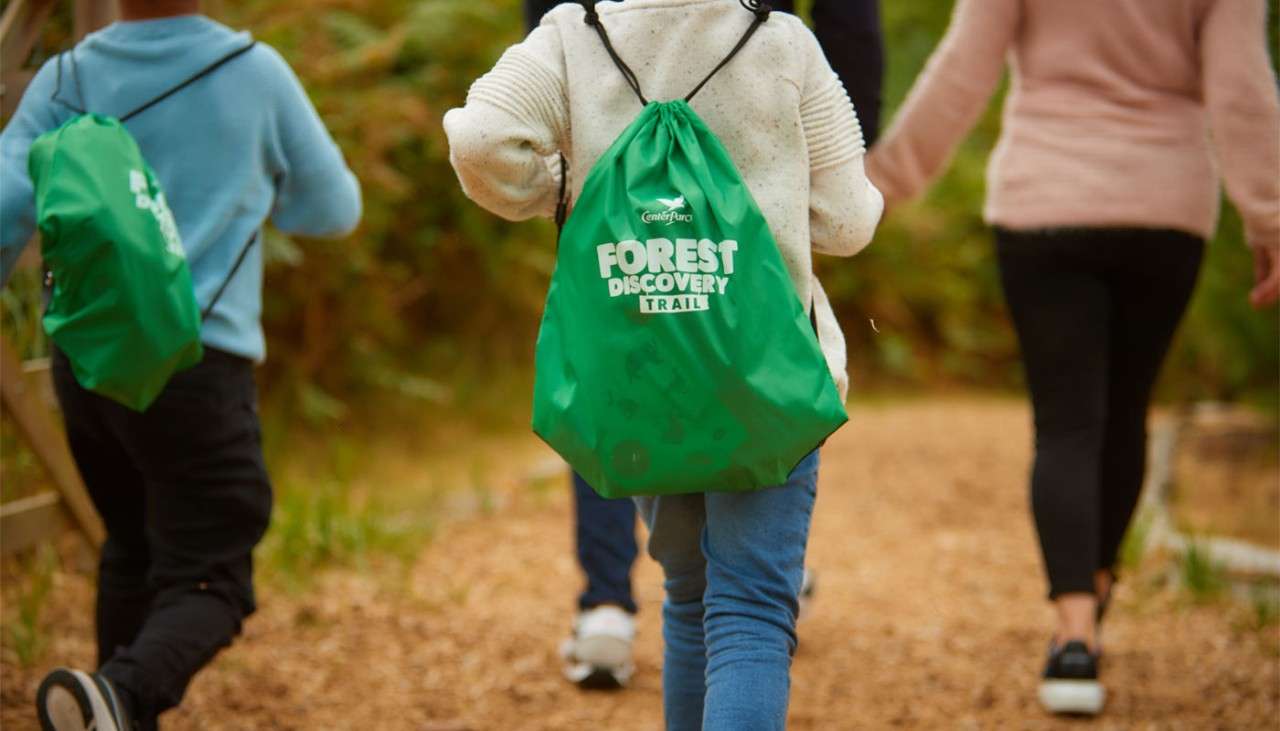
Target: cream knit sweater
point(778, 108)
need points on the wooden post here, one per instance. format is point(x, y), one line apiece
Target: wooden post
point(45, 439)
point(28, 521)
point(25, 521)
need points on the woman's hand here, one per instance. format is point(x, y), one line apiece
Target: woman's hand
point(1266, 276)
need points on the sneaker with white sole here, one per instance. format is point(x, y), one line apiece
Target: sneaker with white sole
point(1070, 683)
point(73, 700)
point(598, 653)
point(808, 587)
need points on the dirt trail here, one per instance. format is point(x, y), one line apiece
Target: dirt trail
point(930, 614)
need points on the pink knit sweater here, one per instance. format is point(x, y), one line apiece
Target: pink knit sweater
point(1116, 111)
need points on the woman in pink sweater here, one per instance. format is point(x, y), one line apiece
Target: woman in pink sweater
point(1102, 191)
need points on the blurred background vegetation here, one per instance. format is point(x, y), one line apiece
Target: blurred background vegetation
point(434, 303)
point(426, 317)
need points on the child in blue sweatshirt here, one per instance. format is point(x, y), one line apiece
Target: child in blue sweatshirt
point(182, 487)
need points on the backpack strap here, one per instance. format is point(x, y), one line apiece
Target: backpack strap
point(593, 20)
point(75, 77)
point(189, 81)
point(562, 204)
point(244, 252)
point(758, 9)
point(761, 11)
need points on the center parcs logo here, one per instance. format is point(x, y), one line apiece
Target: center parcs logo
point(672, 210)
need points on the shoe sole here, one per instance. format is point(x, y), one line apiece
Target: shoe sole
point(64, 703)
point(1083, 697)
point(808, 587)
point(602, 652)
point(600, 679)
point(598, 663)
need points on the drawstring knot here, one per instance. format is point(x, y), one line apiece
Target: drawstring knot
point(761, 10)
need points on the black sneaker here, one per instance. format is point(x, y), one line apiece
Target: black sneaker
point(73, 700)
point(1070, 683)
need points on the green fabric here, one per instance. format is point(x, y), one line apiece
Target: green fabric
point(123, 309)
point(674, 354)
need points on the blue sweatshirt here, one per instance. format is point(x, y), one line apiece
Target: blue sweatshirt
point(237, 147)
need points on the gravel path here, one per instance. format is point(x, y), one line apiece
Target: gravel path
point(929, 614)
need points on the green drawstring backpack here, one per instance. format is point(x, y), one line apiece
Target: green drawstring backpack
point(122, 307)
point(674, 354)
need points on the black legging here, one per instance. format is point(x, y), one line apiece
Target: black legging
point(850, 36)
point(1095, 311)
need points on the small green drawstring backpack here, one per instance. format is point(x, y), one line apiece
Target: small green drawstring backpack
point(122, 307)
point(674, 354)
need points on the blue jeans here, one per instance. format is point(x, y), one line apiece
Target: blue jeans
point(733, 563)
point(606, 538)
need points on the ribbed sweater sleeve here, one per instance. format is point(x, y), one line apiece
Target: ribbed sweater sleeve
point(946, 99)
point(844, 207)
point(1244, 113)
point(515, 118)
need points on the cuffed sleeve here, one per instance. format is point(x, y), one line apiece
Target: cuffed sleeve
point(515, 117)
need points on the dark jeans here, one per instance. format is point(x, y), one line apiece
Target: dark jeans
point(606, 535)
point(184, 494)
point(1095, 311)
point(849, 32)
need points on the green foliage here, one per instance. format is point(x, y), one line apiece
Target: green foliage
point(431, 289)
point(1227, 350)
point(315, 526)
point(25, 634)
point(430, 283)
point(21, 306)
point(1202, 577)
point(1264, 606)
point(1134, 545)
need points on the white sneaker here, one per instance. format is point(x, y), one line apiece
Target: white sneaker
point(73, 700)
point(808, 587)
point(598, 654)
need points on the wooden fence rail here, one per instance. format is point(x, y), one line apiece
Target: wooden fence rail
point(30, 520)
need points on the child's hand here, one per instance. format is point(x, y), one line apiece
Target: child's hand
point(557, 166)
point(1266, 276)
point(878, 178)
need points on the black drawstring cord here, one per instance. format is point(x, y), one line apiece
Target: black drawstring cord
point(57, 87)
point(762, 14)
point(191, 80)
point(593, 20)
point(562, 204)
point(757, 8)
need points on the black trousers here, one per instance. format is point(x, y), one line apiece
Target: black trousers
point(850, 35)
point(184, 494)
point(1095, 311)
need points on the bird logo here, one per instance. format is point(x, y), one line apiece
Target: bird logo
point(670, 214)
point(672, 204)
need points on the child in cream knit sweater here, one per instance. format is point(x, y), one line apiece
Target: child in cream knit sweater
point(733, 561)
